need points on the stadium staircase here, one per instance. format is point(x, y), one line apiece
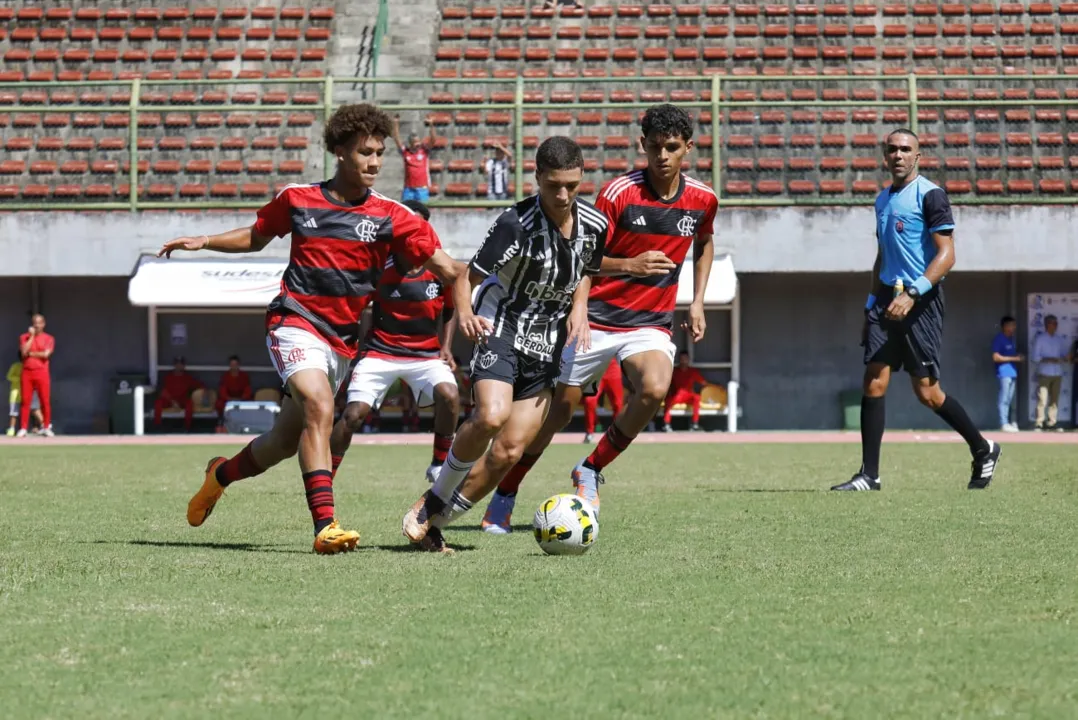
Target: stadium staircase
point(184, 154)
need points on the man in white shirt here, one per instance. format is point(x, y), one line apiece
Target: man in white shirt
point(1050, 355)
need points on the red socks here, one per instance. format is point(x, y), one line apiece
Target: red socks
point(511, 483)
point(240, 466)
point(613, 443)
point(337, 460)
point(319, 487)
point(442, 443)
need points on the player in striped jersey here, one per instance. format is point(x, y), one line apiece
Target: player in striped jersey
point(658, 214)
point(342, 234)
point(533, 275)
point(405, 342)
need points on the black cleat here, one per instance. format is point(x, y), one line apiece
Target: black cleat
point(860, 481)
point(984, 467)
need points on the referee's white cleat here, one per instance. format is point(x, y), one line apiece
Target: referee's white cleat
point(860, 481)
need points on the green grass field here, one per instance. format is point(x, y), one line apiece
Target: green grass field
point(726, 583)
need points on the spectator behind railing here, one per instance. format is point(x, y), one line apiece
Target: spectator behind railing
point(1005, 356)
point(416, 156)
point(14, 399)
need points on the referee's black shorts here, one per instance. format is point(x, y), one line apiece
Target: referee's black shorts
point(912, 344)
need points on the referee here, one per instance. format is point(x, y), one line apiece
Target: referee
point(904, 313)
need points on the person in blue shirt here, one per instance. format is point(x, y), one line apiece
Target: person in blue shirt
point(903, 327)
point(1005, 356)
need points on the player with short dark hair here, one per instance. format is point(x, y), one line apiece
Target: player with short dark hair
point(533, 275)
point(903, 327)
point(656, 216)
point(342, 234)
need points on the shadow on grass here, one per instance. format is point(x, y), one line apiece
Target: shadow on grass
point(413, 549)
point(760, 490)
point(519, 527)
point(239, 546)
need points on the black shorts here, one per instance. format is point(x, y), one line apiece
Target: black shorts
point(497, 359)
point(912, 344)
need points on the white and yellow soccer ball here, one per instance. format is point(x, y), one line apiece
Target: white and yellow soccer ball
point(566, 524)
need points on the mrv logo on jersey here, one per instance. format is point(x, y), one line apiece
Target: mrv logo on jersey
point(547, 293)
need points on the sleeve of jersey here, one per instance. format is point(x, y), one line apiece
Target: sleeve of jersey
point(707, 226)
point(275, 218)
point(596, 259)
point(501, 244)
point(413, 238)
point(936, 207)
point(608, 208)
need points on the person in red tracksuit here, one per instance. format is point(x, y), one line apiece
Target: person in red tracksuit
point(684, 389)
point(235, 385)
point(611, 386)
point(36, 347)
point(176, 389)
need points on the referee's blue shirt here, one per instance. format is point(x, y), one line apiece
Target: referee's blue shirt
point(905, 221)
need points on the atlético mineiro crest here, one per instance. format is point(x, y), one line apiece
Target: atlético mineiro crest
point(686, 225)
point(487, 359)
point(899, 226)
point(432, 290)
point(366, 231)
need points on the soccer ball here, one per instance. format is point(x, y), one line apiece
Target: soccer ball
point(566, 525)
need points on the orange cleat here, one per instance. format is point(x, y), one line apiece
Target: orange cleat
point(201, 505)
point(333, 540)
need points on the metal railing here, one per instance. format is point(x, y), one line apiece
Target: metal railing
point(381, 26)
point(519, 106)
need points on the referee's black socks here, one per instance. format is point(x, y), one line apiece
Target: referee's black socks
point(873, 419)
point(955, 415)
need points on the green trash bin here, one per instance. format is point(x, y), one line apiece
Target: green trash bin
point(122, 401)
point(851, 409)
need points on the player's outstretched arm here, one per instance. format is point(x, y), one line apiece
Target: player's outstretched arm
point(240, 240)
point(446, 268)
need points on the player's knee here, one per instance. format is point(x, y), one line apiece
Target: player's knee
point(560, 413)
point(447, 397)
point(653, 389)
point(875, 384)
point(490, 417)
point(318, 411)
point(354, 415)
point(504, 454)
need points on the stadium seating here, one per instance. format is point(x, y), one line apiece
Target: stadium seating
point(826, 151)
point(183, 155)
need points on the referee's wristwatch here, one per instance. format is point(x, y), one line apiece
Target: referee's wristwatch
point(913, 293)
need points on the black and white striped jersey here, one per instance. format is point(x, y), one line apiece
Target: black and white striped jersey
point(532, 271)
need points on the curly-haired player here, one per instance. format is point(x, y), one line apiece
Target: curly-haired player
point(657, 215)
point(342, 234)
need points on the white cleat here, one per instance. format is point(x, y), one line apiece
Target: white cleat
point(586, 482)
point(47, 432)
point(20, 434)
point(432, 473)
point(499, 515)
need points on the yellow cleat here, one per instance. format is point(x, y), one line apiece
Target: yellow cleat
point(202, 503)
point(333, 540)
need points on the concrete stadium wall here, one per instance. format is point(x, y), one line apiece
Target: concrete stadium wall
point(762, 240)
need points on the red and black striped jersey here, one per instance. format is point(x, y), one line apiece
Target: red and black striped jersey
point(338, 253)
point(406, 313)
point(643, 221)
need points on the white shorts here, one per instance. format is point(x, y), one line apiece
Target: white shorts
point(293, 349)
point(586, 369)
point(373, 376)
